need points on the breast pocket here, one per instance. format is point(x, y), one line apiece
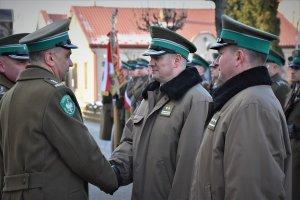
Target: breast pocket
point(137, 120)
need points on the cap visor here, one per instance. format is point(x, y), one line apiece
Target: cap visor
point(151, 52)
point(293, 66)
point(70, 46)
point(217, 46)
point(16, 57)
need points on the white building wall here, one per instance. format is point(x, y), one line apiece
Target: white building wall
point(81, 57)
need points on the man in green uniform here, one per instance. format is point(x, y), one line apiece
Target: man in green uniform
point(280, 87)
point(201, 65)
point(13, 59)
point(215, 80)
point(132, 80)
point(122, 109)
point(46, 151)
point(141, 80)
point(214, 74)
point(292, 112)
point(245, 152)
point(162, 136)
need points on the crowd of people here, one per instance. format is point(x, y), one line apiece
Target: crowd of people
point(234, 135)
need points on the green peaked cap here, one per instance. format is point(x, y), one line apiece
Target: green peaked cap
point(275, 57)
point(124, 65)
point(294, 60)
point(131, 64)
point(239, 34)
point(141, 63)
point(198, 60)
point(9, 46)
point(50, 36)
point(167, 41)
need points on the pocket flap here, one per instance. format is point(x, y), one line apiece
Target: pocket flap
point(137, 119)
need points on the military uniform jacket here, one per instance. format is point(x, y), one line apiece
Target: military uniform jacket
point(5, 85)
point(46, 151)
point(130, 85)
point(139, 86)
point(280, 88)
point(293, 120)
point(245, 152)
point(135, 89)
point(160, 140)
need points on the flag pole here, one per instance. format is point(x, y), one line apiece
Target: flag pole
point(116, 100)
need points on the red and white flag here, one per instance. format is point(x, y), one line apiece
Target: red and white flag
point(127, 101)
point(108, 71)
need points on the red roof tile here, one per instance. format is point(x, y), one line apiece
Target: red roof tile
point(288, 32)
point(96, 23)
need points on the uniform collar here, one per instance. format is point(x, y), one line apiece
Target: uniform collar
point(178, 86)
point(35, 72)
point(5, 82)
point(252, 77)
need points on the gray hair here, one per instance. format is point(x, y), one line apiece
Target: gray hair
point(255, 58)
point(36, 56)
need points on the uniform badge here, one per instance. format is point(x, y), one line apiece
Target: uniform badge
point(59, 84)
point(67, 105)
point(213, 122)
point(2, 90)
point(167, 110)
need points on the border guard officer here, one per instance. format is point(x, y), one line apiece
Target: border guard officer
point(141, 81)
point(161, 138)
point(13, 60)
point(245, 152)
point(280, 87)
point(201, 66)
point(292, 113)
point(46, 151)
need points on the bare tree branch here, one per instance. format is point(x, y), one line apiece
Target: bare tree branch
point(169, 18)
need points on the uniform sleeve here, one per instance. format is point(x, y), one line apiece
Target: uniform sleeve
point(189, 142)
point(76, 146)
point(281, 92)
point(129, 88)
point(255, 155)
point(138, 88)
point(122, 156)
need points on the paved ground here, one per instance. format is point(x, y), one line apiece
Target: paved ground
point(123, 193)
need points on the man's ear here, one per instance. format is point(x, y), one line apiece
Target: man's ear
point(177, 59)
point(240, 57)
point(49, 58)
point(2, 66)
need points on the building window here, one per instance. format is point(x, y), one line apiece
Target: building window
point(85, 75)
point(74, 76)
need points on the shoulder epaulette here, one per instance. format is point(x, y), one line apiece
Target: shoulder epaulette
point(3, 89)
point(53, 82)
point(280, 82)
